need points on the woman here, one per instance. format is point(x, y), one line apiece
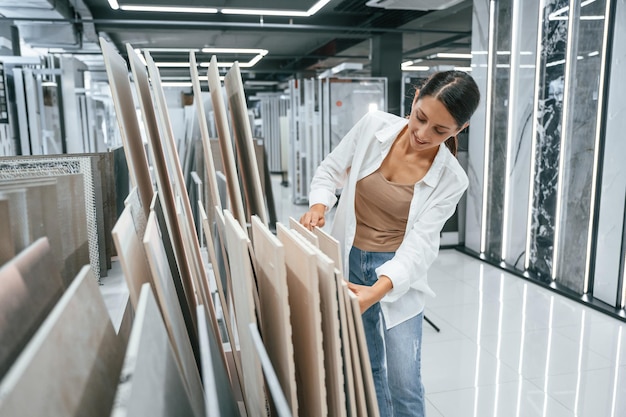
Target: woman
point(400, 182)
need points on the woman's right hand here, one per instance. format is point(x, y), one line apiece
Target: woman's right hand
point(314, 217)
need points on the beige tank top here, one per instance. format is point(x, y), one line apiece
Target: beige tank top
point(382, 211)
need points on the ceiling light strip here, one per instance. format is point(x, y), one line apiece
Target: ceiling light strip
point(212, 10)
point(167, 9)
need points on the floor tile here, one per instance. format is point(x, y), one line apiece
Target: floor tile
point(518, 398)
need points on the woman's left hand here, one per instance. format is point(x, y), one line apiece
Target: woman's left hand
point(368, 296)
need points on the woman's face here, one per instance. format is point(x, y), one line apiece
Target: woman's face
point(430, 124)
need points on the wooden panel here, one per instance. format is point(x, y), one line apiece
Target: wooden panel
point(151, 383)
point(228, 320)
point(306, 322)
point(281, 407)
point(330, 246)
point(19, 224)
point(204, 130)
point(172, 313)
point(132, 255)
point(218, 394)
point(72, 362)
point(253, 192)
point(43, 215)
point(30, 286)
point(159, 214)
point(274, 301)
point(190, 238)
point(117, 73)
point(335, 390)
point(242, 282)
point(7, 247)
point(73, 221)
point(359, 388)
point(304, 232)
point(226, 144)
point(345, 347)
point(140, 220)
point(164, 184)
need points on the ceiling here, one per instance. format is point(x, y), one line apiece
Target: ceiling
point(296, 45)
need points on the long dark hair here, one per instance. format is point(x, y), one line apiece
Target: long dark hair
point(458, 92)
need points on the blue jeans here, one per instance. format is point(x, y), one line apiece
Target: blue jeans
point(395, 354)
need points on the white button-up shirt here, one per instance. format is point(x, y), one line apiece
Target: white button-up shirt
point(435, 197)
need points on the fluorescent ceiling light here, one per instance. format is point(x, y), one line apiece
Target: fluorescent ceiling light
point(453, 55)
point(234, 51)
point(594, 53)
point(181, 50)
point(114, 5)
point(414, 68)
point(260, 53)
point(168, 9)
point(265, 12)
point(269, 12)
point(466, 69)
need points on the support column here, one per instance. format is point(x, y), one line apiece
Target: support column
point(386, 58)
point(6, 36)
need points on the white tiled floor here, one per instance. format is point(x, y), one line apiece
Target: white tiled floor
point(510, 348)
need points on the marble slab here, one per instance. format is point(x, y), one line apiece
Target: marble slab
point(281, 407)
point(225, 143)
point(248, 164)
point(218, 266)
point(78, 352)
point(364, 357)
point(167, 299)
point(610, 229)
point(346, 350)
point(132, 255)
point(242, 282)
point(218, 394)
point(151, 382)
point(476, 143)
point(117, 73)
point(359, 406)
point(274, 301)
point(306, 322)
point(31, 286)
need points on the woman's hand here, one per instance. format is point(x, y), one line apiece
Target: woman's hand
point(314, 217)
point(368, 296)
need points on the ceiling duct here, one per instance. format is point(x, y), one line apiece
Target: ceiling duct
point(413, 4)
point(53, 34)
